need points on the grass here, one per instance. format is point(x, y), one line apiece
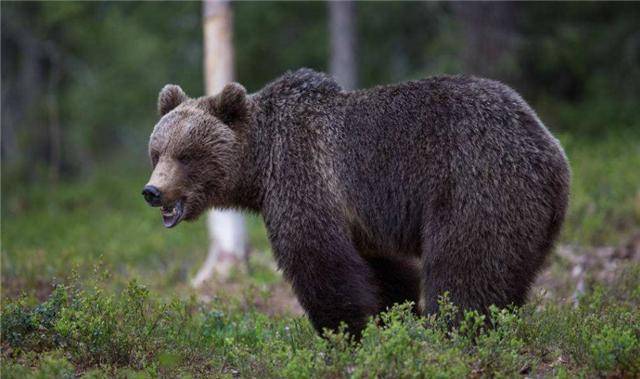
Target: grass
point(605, 188)
point(48, 231)
point(94, 286)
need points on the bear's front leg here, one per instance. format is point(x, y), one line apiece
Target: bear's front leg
point(332, 282)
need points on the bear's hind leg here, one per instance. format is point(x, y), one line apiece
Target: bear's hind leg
point(477, 266)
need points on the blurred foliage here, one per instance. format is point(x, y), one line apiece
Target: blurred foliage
point(579, 51)
point(605, 188)
point(103, 64)
point(80, 79)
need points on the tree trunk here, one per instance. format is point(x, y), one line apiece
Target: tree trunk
point(343, 64)
point(227, 231)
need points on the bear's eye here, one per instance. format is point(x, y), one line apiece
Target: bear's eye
point(184, 158)
point(154, 158)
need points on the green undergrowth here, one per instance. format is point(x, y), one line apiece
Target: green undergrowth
point(91, 332)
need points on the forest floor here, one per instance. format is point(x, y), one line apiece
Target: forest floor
point(94, 286)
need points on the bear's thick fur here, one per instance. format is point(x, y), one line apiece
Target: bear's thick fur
point(377, 196)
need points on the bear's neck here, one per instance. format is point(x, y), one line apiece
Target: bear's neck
point(262, 141)
point(254, 166)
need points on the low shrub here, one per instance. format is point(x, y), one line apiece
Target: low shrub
point(133, 333)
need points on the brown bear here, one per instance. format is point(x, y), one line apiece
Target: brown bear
point(454, 173)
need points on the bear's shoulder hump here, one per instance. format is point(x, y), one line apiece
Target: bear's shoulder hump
point(301, 82)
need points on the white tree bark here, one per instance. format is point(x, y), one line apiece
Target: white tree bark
point(342, 63)
point(228, 241)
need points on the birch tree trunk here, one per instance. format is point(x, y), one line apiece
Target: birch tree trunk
point(228, 242)
point(343, 65)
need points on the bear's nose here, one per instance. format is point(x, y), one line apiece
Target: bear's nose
point(152, 195)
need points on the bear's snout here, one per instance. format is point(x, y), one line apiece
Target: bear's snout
point(152, 195)
point(166, 184)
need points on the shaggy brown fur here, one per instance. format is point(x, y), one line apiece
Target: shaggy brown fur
point(455, 172)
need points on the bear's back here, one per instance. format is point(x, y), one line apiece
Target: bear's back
point(410, 147)
point(428, 125)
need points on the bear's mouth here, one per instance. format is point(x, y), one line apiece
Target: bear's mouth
point(172, 215)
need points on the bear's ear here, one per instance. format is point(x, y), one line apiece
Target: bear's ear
point(170, 97)
point(230, 105)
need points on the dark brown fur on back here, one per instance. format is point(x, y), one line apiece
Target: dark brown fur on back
point(396, 192)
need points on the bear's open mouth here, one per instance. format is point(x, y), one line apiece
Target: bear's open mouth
point(172, 215)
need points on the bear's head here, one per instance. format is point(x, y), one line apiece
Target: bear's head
point(195, 151)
